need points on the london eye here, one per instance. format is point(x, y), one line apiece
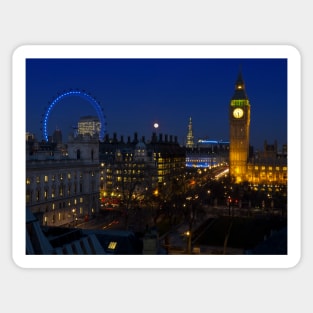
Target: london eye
point(73, 93)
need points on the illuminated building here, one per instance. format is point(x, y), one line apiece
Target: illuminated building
point(190, 139)
point(239, 119)
point(138, 166)
point(89, 125)
point(62, 184)
point(207, 153)
point(268, 167)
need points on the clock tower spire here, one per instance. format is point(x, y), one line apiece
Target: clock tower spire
point(240, 91)
point(239, 121)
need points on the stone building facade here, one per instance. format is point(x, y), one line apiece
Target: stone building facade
point(62, 181)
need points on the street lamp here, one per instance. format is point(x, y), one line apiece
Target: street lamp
point(188, 236)
point(73, 210)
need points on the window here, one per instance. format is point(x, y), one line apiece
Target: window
point(61, 190)
point(28, 196)
point(112, 245)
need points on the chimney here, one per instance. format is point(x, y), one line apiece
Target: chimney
point(114, 138)
point(135, 137)
point(160, 138)
point(154, 138)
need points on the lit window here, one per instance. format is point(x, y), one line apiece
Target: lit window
point(112, 245)
point(46, 178)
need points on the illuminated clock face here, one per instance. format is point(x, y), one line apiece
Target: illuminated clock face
point(238, 113)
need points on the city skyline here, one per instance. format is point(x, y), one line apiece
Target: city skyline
point(136, 93)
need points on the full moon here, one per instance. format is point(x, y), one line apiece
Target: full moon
point(155, 125)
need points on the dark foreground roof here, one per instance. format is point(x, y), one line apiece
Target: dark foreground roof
point(276, 244)
point(43, 240)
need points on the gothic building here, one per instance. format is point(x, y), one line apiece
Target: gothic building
point(239, 119)
point(266, 167)
point(190, 138)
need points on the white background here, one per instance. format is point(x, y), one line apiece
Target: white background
point(154, 22)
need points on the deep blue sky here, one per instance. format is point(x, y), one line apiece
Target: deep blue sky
point(135, 93)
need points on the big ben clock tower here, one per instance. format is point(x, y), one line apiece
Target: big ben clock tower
point(239, 120)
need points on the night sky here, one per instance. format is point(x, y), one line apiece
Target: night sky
point(136, 93)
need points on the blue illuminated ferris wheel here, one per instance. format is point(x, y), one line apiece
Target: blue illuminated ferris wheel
point(72, 93)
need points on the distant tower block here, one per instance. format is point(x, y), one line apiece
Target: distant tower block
point(190, 142)
point(89, 125)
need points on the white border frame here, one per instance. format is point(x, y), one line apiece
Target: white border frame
point(156, 51)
